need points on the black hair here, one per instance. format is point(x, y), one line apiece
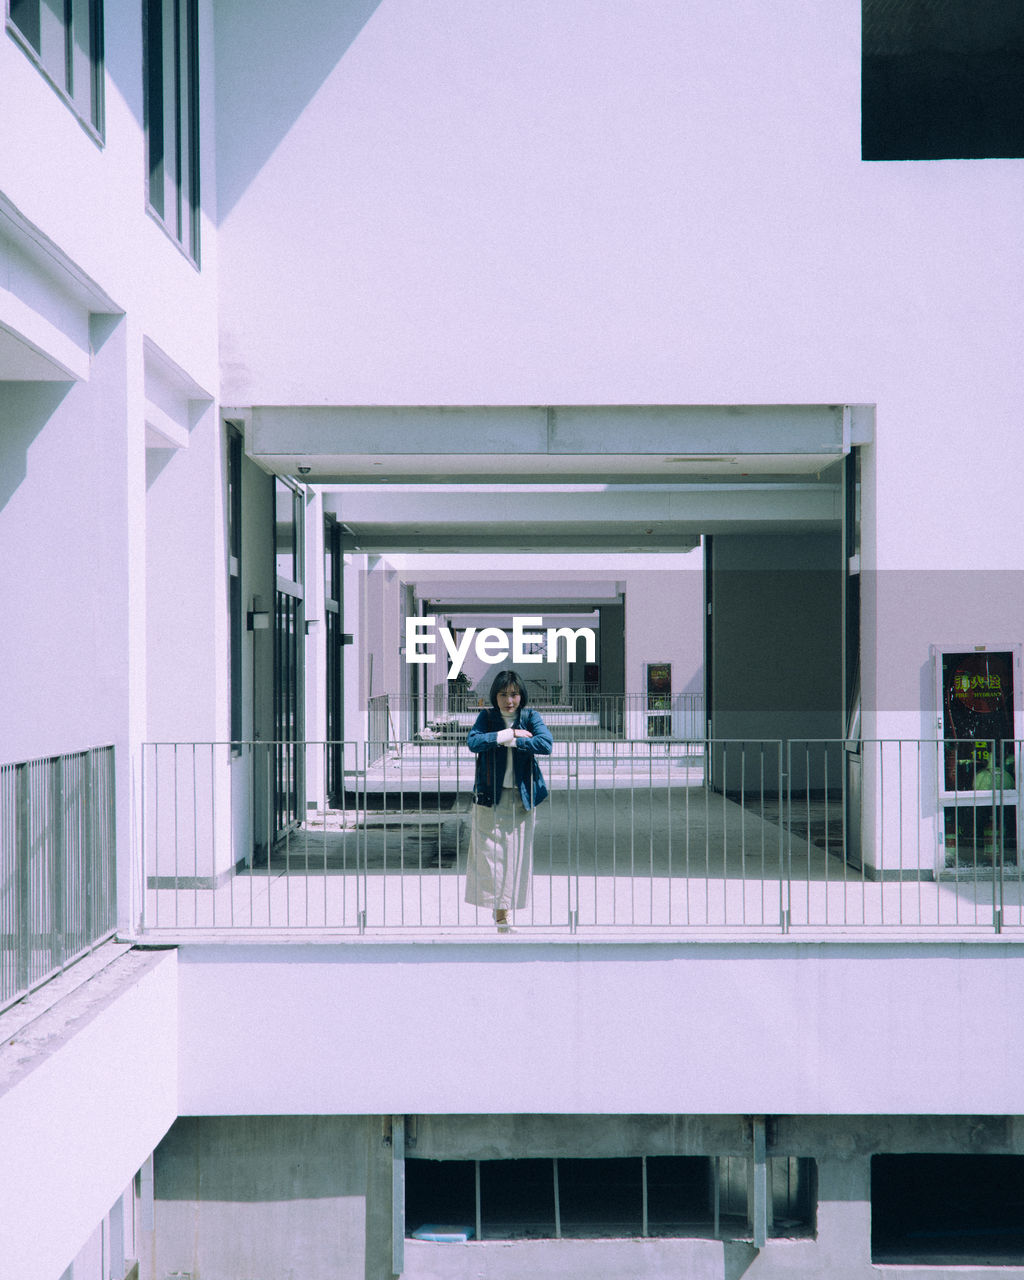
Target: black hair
point(509, 680)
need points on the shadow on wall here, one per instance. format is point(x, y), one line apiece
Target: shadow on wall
point(268, 70)
point(25, 409)
point(738, 1257)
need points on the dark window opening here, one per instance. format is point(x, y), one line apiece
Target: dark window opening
point(680, 1192)
point(440, 1193)
point(947, 1210)
point(601, 1197)
point(517, 1199)
point(171, 75)
point(615, 1197)
point(942, 79)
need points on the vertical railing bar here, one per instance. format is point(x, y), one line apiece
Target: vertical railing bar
point(362, 753)
point(615, 844)
point(764, 834)
point(725, 833)
point(632, 834)
point(919, 809)
point(670, 853)
point(195, 840)
point(743, 832)
point(271, 764)
point(419, 824)
point(997, 840)
point(177, 841)
point(42, 903)
point(22, 889)
point(87, 816)
point(785, 776)
point(686, 833)
point(250, 834)
point(707, 833)
point(144, 832)
point(650, 851)
point(157, 831)
point(58, 861)
point(594, 758)
point(825, 779)
point(330, 752)
point(844, 850)
point(213, 821)
point(807, 826)
point(880, 827)
point(899, 824)
point(341, 755)
point(79, 833)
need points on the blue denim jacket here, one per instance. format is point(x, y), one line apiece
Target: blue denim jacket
point(490, 756)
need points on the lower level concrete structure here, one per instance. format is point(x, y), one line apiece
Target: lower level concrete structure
point(607, 1197)
point(465, 1108)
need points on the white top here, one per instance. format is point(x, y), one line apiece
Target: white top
point(507, 736)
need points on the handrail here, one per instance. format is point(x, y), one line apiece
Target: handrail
point(778, 836)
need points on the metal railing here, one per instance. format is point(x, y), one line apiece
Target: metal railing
point(575, 714)
point(773, 836)
point(57, 873)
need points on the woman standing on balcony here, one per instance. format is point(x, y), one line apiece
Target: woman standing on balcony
point(507, 738)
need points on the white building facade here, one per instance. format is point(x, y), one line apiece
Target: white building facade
point(293, 299)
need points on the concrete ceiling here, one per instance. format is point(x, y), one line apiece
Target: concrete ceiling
point(615, 478)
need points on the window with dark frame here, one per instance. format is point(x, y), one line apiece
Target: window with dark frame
point(66, 42)
point(942, 79)
point(171, 75)
point(234, 505)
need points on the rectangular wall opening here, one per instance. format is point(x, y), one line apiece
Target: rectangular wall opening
point(947, 1210)
point(603, 1197)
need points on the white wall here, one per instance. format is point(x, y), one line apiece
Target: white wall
point(82, 1105)
point(665, 623)
point(774, 1027)
point(569, 204)
point(187, 660)
point(64, 532)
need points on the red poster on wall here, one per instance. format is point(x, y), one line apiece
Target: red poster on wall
point(977, 718)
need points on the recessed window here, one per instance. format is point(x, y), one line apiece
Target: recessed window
point(942, 79)
point(171, 73)
point(615, 1197)
point(947, 1210)
point(66, 41)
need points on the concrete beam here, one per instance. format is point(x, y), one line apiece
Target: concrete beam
point(516, 539)
point(653, 443)
point(621, 518)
